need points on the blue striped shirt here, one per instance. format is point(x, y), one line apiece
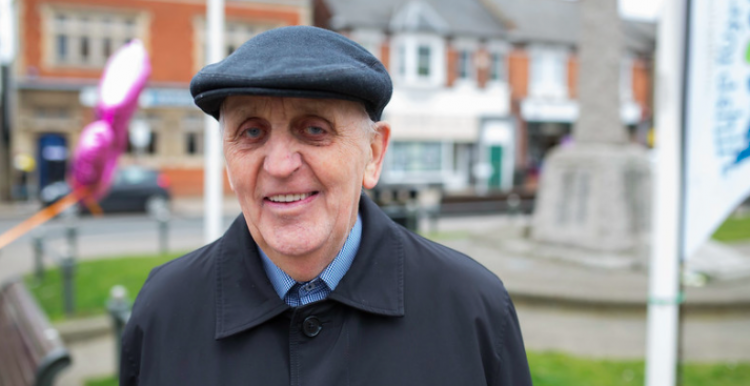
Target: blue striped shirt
point(297, 294)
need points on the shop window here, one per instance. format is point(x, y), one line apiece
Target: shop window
point(416, 156)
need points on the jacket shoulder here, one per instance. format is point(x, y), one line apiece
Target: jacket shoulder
point(433, 261)
point(183, 280)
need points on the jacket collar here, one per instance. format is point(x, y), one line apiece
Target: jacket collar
point(374, 283)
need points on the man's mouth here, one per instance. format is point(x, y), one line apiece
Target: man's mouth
point(287, 198)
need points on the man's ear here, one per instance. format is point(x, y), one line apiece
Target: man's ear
point(378, 147)
point(229, 177)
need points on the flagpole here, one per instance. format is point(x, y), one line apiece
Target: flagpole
point(213, 183)
point(665, 295)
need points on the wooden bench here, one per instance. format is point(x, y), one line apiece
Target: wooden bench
point(31, 352)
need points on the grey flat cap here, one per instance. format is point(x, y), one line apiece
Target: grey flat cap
point(299, 61)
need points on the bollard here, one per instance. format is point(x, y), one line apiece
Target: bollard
point(38, 246)
point(71, 231)
point(67, 268)
point(118, 306)
point(163, 236)
point(162, 217)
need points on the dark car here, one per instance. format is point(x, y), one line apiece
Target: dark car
point(137, 189)
point(134, 189)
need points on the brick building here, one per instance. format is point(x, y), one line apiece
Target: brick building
point(64, 45)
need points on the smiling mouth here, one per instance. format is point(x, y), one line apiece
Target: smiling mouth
point(289, 198)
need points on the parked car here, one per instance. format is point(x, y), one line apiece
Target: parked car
point(134, 189)
point(137, 189)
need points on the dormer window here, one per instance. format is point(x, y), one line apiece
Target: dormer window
point(418, 60)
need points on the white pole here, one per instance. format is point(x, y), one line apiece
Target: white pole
point(213, 184)
point(664, 292)
point(7, 32)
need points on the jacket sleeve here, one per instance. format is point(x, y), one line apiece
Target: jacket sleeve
point(514, 367)
point(130, 354)
point(131, 347)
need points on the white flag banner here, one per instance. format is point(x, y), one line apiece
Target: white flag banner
point(717, 135)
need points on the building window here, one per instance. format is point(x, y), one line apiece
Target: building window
point(497, 66)
point(626, 79)
point(402, 60)
point(87, 38)
point(191, 143)
point(236, 33)
point(84, 49)
point(416, 157)
point(423, 61)
point(464, 64)
point(150, 149)
point(107, 47)
point(548, 73)
point(62, 48)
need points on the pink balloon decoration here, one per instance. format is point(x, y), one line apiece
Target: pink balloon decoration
point(104, 140)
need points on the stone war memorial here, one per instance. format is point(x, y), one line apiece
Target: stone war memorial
point(593, 201)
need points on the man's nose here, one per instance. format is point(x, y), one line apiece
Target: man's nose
point(282, 157)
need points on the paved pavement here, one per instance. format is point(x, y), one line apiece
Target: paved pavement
point(583, 310)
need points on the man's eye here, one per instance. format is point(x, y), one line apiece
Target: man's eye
point(314, 130)
point(252, 133)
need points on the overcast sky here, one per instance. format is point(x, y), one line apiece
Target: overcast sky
point(641, 9)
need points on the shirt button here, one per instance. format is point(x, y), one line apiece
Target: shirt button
point(312, 326)
point(309, 286)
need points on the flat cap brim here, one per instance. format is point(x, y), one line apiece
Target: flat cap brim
point(301, 62)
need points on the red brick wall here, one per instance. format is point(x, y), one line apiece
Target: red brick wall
point(482, 61)
point(518, 74)
point(385, 55)
point(451, 57)
point(170, 39)
point(642, 83)
point(573, 77)
point(189, 181)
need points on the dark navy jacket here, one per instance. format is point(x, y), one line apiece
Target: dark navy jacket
point(408, 312)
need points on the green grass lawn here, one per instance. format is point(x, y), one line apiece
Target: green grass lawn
point(554, 369)
point(93, 281)
point(734, 229)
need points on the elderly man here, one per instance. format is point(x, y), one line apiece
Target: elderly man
point(313, 284)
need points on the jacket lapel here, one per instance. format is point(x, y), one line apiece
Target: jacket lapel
point(374, 283)
point(245, 297)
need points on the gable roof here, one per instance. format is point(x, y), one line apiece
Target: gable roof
point(520, 21)
point(559, 21)
point(446, 17)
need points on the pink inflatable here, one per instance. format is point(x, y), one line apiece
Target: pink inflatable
point(104, 140)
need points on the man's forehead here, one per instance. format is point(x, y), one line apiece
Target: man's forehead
point(244, 105)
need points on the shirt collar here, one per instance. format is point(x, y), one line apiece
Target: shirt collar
point(331, 275)
point(245, 297)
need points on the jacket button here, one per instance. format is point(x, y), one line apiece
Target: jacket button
point(312, 326)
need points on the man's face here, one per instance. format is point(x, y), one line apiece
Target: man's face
point(297, 167)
